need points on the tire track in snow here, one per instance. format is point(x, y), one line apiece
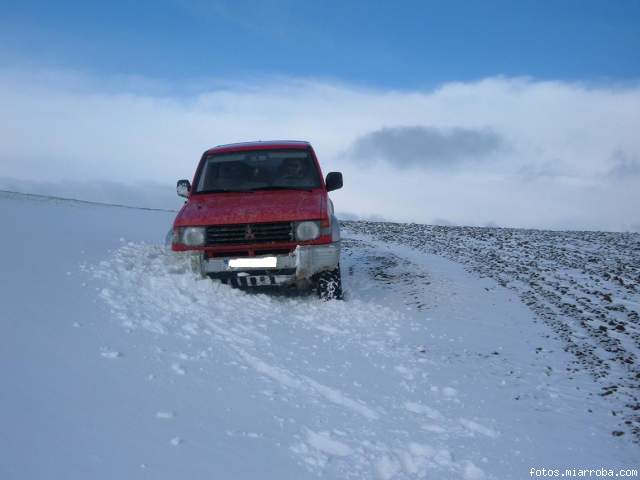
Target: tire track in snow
point(308, 385)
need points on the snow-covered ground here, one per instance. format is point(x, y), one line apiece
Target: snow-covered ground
point(118, 362)
point(584, 285)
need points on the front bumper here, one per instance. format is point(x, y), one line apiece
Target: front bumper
point(298, 267)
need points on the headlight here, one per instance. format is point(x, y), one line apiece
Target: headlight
point(307, 231)
point(194, 236)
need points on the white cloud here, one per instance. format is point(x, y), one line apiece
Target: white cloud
point(564, 140)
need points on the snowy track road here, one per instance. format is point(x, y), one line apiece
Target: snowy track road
point(425, 371)
point(584, 285)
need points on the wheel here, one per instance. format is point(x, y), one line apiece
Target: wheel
point(329, 284)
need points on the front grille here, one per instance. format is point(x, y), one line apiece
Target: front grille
point(250, 233)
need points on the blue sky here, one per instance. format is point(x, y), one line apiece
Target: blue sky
point(405, 45)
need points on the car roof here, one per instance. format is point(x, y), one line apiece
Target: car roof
point(259, 145)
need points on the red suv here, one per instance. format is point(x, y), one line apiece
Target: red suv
point(258, 214)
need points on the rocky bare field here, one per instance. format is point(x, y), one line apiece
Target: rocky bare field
point(584, 285)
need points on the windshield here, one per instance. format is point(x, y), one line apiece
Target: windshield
point(258, 170)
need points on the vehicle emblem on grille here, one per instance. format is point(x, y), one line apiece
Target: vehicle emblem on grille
point(248, 233)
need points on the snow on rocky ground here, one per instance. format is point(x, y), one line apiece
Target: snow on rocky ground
point(584, 285)
point(118, 362)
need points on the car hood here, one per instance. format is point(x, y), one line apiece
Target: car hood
point(255, 207)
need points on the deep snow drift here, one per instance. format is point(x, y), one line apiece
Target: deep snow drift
point(118, 362)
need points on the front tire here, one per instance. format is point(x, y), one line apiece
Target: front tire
point(329, 284)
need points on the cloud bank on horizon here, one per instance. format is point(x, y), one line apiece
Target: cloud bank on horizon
point(426, 147)
point(508, 151)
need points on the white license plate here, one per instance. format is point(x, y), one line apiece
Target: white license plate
point(258, 262)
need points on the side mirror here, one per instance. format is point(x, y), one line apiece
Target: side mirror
point(333, 181)
point(183, 188)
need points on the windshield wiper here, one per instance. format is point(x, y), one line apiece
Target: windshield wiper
point(226, 190)
point(282, 187)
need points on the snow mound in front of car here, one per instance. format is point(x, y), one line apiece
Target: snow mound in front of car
point(150, 287)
